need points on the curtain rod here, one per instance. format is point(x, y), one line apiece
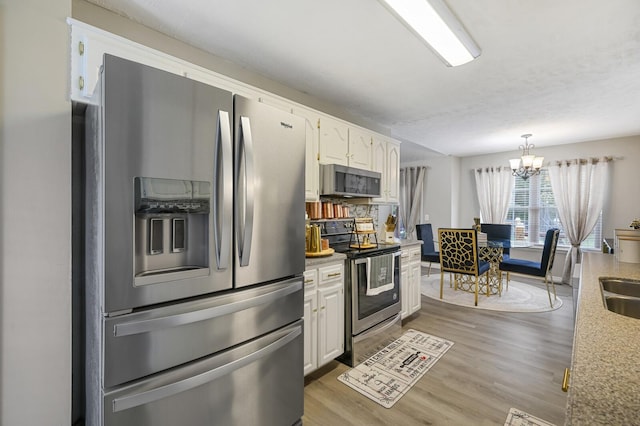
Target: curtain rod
point(490, 168)
point(593, 160)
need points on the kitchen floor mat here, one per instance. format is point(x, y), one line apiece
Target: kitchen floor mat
point(520, 418)
point(389, 374)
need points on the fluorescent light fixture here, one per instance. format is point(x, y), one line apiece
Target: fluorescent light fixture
point(436, 24)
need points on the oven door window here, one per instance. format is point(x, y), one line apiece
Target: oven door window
point(369, 305)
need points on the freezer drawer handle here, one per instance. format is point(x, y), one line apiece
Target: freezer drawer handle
point(131, 401)
point(146, 326)
point(223, 199)
point(244, 209)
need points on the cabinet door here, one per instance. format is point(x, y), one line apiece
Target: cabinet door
point(334, 142)
point(392, 179)
point(414, 287)
point(330, 323)
point(379, 164)
point(310, 331)
point(311, 165)
point(404, 285)
point(414, 280)
point(359, 149)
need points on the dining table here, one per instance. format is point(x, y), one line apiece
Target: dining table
point(491, 251)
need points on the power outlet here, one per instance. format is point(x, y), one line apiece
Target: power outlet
point(426, 217)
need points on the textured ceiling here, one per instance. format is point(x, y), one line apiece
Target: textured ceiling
point(566, 71)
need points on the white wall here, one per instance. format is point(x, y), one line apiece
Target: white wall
point(458, 197)
point(35, 214)
point(623, 203)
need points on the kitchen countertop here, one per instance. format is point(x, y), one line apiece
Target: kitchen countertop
point(604, 387)
point(312, 262)
point(405, 243)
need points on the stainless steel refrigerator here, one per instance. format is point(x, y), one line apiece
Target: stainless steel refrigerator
point(194, 212)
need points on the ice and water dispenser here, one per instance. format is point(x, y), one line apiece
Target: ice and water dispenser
point(171, 227)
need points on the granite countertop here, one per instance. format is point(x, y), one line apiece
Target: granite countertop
point(604, 387)
point(312, 262)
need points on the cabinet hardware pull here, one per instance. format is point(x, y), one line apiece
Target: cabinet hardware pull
point(81, 48)
point(335, 274)
point(565, 380)
point(81, 82)
point(321, 307)
point(308, 281)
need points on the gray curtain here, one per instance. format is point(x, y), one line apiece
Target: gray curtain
point(412, 181)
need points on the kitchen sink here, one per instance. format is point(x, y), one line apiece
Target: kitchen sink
point(621, 286)
point(627, 306)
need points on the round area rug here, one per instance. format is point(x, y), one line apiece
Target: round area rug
point(519, 298)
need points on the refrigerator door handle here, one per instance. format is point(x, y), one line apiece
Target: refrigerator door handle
point(244, 210)
point(223, 190)
point(155, 324)
point(161, 392)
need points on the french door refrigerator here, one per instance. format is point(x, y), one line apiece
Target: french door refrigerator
point(194, 253)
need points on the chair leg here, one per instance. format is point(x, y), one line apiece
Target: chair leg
point(488, 282)
point(508, 278)
point(429, 270)
point(546, 283)
point(441, 283)
point(475, 301)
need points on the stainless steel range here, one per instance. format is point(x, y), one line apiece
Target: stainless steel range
point(372, 315)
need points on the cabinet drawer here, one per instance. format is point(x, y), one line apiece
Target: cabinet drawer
point(330, 274)
point(310, 279)
point(415, 255)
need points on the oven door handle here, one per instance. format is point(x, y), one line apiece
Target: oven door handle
point(364, 259)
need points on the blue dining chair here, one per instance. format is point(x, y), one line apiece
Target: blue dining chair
point(538, 269)
point(424, 232)
point(498, 233)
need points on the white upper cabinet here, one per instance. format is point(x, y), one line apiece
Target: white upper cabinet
point(312, 168)
point(379, 158)
point(385, 159)
point(343, 144)
point(393, 172)
point(360, 148)
point(334, 141)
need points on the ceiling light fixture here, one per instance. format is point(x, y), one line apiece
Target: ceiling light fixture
point(528, 164)
point(434, 22)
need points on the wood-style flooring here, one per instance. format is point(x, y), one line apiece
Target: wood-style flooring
point(499, 360)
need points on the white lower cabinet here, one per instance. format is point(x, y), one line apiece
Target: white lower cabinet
point(323, 315)
point(410, 274)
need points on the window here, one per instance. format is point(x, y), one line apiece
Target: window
point(533, 211)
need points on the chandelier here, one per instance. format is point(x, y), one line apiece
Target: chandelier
point(528, 164)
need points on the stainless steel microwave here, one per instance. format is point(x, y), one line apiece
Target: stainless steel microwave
point(342, 181)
